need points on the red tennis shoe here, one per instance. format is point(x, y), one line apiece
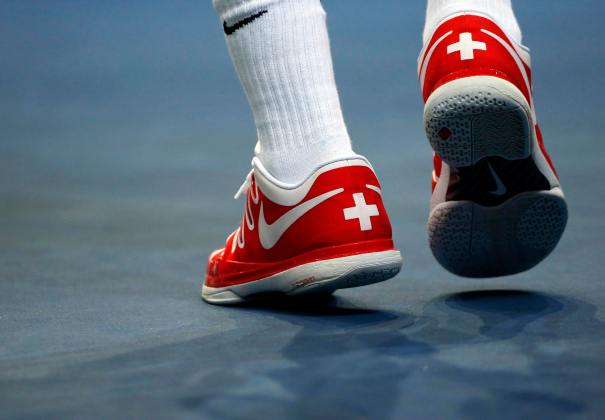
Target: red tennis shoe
point(497, 206)
point(330, 232)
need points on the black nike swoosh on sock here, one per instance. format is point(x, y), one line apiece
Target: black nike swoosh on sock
point(229, 29)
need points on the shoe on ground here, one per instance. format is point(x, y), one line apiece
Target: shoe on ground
point(330, 232)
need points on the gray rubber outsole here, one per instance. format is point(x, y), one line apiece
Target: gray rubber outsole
point(475, 241)
point(475, 122)
point(469, 120)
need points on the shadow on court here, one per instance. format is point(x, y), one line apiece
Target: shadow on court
point(501, 347)
point(506, 313)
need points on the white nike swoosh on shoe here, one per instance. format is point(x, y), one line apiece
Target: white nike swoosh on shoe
point(500, 187)
point(269, 234)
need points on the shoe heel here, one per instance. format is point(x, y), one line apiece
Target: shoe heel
point(476, 117)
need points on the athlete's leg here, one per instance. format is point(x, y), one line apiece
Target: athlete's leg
point(314, 218)
point(497, 205)
point(281, 53)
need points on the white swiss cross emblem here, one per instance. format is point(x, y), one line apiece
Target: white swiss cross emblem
point(361, 211)
point(466, 46)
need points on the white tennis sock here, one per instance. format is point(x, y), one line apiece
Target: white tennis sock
point(281, 51)
point(500, 11)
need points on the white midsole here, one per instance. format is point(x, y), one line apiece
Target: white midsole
point(303, 277)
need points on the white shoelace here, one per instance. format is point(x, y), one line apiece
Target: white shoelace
point(243, 189)
point(248, 220)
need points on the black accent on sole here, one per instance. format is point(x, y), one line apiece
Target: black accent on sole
point(494, 180)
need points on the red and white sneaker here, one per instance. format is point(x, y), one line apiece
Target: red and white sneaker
point(497, 206)
point(330, 232)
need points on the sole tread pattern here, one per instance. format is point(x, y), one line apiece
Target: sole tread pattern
point(475, 241)
point(474, 123)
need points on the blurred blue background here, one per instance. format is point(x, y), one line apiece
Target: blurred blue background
point(124, 134)
point(138, 101)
